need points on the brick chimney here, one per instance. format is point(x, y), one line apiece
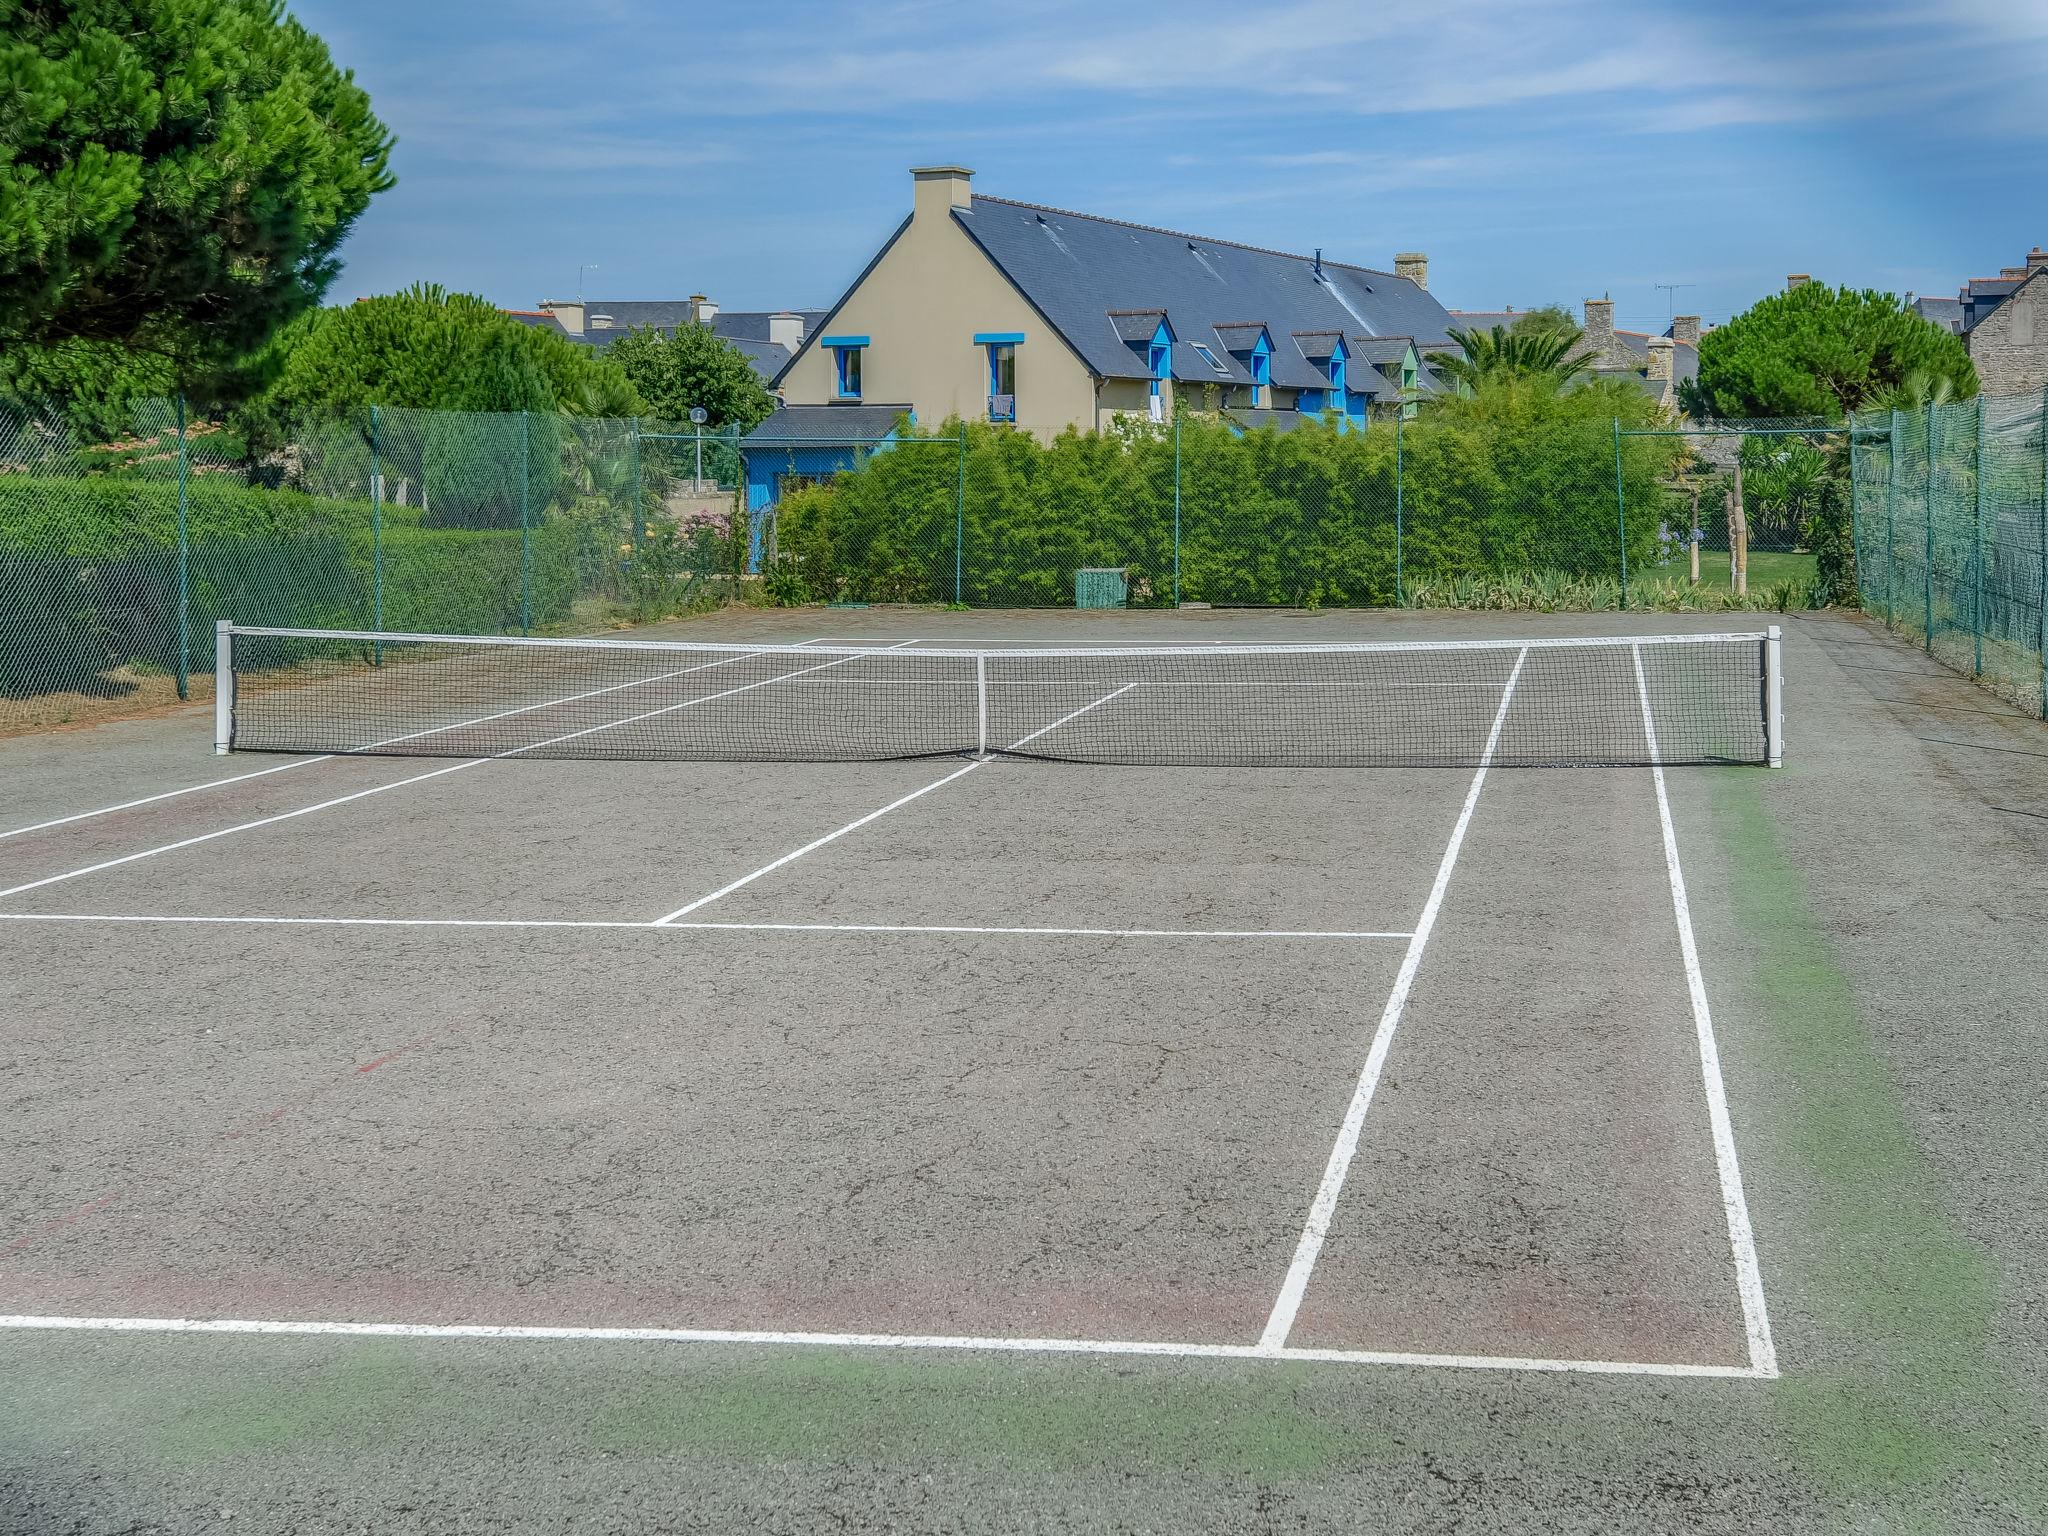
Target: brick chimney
point(1685, 329)
point(2037, 259)
point(1599, 337)
point(936, 190)
point(701, 309)
point(1661, 349)
point(1413, 265)
point(1797, 280)
point(786, 331)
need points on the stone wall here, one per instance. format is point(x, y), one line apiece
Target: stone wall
point(2010, 345)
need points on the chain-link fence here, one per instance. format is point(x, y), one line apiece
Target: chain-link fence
point(117, 558)
point(1571, 513)
point(1952, 535)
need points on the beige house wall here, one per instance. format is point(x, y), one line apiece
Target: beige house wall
point(922, 306)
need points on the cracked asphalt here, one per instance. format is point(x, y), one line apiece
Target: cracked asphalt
point(1082, 1136)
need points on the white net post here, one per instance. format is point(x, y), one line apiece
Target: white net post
point(981, 705)
point(223, 686)
point(1774, 697)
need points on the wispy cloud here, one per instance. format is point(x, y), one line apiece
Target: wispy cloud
point(1538, 147)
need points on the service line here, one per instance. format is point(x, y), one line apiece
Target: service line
point(875, 815)
point(706, 927)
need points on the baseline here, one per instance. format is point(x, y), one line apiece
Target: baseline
point(964, 1342)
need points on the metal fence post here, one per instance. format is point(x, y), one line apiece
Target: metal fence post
point(637, 524)
point(525, 523)
point(1891, 518)
point(377, 531)
point(1176, 509)
point(960, 521)
point(1927, 573)
point(1977, 558)
point(1400, 494)
point(1621, 513)
point(184, 560)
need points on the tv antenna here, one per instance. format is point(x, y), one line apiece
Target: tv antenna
point(1671, 297)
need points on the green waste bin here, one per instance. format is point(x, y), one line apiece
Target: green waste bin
point(1102, 587)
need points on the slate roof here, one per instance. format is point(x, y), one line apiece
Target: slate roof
point(1190, 367)
point(1685, 358)
point(828, 423)
point(1139, 325)
point(1076, 269)
point(1383, 349)
point(1946, 313)
point(1253, 420)
point(746, 329)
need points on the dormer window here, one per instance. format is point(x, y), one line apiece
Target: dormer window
point(1261, 372)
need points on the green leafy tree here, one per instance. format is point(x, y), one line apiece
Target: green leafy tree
point(96, 384)
point(1497, 354)
point(1546, 317)
point(176, 176)
point(693, 367)
point(433, 350)
point(1821, 352)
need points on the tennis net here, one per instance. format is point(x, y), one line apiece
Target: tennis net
point(1599, 701)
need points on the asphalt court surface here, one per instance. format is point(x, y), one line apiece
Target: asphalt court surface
point(1091, 1136)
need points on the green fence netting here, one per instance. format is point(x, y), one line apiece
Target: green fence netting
point(1952, 535)
point(116, 558)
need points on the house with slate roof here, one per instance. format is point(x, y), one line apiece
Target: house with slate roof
point(2003, 321)
point(993, 310)
point(1657, 365)
point(767, 338)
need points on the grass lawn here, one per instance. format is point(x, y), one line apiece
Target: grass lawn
point(1767, 567)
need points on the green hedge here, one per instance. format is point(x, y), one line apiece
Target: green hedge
point(89, 571)
point(1304, 518)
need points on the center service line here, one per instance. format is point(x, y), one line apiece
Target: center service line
point(1324, 1207)
point(853, 826)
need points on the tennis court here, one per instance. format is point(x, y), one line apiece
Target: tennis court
point(1236, 1040)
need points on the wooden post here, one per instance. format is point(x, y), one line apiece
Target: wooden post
point(1738, 536)
point(1695, 535)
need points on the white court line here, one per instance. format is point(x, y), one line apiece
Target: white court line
point(1324, 1207)
point(638, 926)
point(852, 826)
point(1763, 1353)
point(328, 757)
point(169, 794)
point(418, 778)
point(1159, 1348)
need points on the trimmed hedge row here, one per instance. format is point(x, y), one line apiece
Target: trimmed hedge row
point(89, 571)
point(1305, 518)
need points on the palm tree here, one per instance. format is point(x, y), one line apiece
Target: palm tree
point(1499, 354)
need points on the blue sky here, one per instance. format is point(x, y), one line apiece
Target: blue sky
point(1538, 150)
